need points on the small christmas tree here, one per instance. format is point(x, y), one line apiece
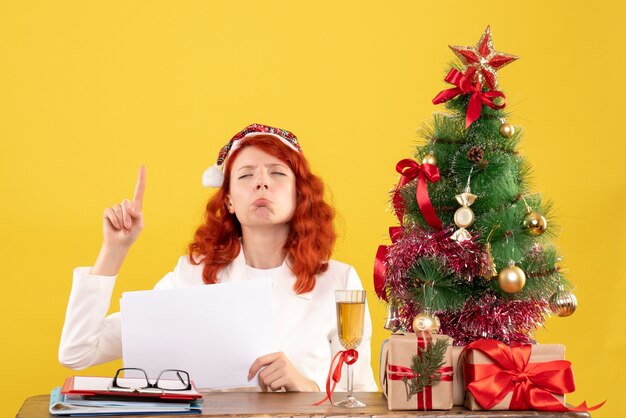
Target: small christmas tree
point(473, 246)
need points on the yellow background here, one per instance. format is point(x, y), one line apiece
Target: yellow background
point(89, 90)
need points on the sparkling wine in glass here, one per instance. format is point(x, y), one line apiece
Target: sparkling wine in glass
point(350, 312)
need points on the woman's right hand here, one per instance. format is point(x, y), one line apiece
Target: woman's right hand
point(123, 222)
point(121, 227)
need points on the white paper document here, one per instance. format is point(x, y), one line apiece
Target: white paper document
point(213, 332)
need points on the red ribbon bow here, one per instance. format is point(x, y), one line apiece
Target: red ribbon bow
point(465, 86)
point(347, 357)
point(409, 170)
point(379, 263)
point(533, 384)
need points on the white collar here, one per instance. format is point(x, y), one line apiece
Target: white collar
point(284, 276)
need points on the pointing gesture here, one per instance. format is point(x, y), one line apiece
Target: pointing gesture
point(140, 187)
point(123, 222)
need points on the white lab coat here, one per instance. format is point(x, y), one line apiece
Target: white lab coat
point(305, 325)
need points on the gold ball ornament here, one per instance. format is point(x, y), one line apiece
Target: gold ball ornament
point(507, 130)
point(511, 279)
point(563, 303)
point(430, 159)
point(426, 322)
point(534, 223)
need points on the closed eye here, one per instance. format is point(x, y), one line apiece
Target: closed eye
point(244, 176)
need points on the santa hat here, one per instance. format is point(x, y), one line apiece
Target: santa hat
point(214, 176)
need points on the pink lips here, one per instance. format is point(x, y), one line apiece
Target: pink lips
point(261, 202)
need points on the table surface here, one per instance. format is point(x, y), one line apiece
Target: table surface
point(283, 404)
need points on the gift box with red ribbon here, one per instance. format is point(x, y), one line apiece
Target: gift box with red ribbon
point(525, 377)
point(397, 375)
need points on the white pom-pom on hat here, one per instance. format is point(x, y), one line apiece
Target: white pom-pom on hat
point(213, 176)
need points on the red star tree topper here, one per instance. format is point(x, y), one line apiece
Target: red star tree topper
point(483, 60)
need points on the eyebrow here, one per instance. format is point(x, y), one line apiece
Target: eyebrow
point(251, 166)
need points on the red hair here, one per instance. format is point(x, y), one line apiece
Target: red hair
point(311, 236)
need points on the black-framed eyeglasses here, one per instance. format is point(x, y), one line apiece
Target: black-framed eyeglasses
point(168, 379)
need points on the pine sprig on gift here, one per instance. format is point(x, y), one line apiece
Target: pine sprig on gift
point(425, 366)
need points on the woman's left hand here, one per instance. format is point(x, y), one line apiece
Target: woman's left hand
point(280, 373)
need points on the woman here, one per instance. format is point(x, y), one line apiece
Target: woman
point(268, 218)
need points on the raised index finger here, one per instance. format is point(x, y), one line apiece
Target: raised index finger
point(139, 189)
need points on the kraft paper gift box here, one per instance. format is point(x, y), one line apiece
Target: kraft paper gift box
point(396, 359)
point(458, 387)
point(473, 359)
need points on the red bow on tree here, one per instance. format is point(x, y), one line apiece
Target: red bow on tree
point(409, 170)
point(465, 86)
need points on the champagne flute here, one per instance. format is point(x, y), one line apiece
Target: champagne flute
point(350, 312)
